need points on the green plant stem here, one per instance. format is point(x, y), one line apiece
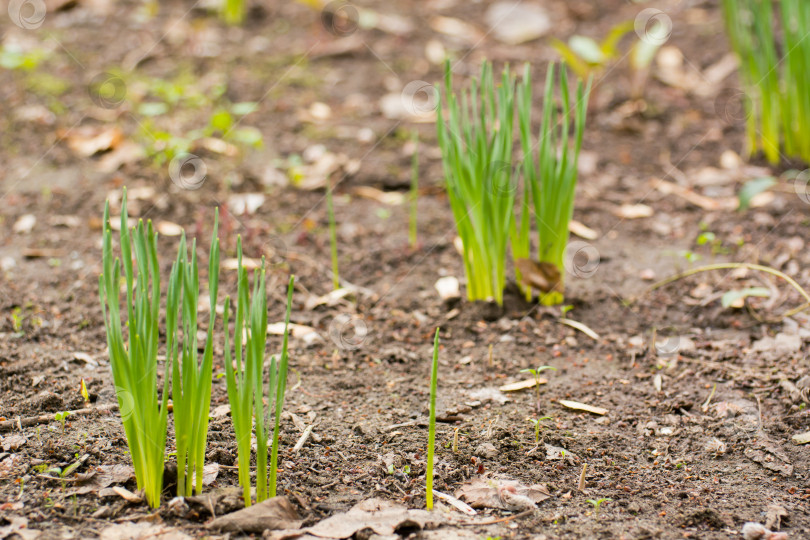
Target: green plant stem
point(280, 387)
point(434, 378)
point(330, 210)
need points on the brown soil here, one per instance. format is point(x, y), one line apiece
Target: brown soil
point(671, 467)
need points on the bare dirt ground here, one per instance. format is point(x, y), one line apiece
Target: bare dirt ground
point(702, 401)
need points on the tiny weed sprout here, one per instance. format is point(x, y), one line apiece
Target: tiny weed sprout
point(414, 194)
point(330, 210)
point(597, 504)
point(134, 362)
point(244, 377)
point(537, 379)
point(550, 180)
point(233, 11)
point(536, 423)
point(476, 145)
point(586, 56)
point(434, 378)
point(773, 69)
point(61, 417)
point(191, 379)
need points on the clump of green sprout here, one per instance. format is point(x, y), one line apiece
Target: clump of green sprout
point(476, 145)
point(414, 194)
point(550, 178)
point(482, 179)
point(597, 504)
point(245, 382)
point(773, 69)
point(134, 362)
point(434, 379)
point(330, 211)
point(586, 56)
point(191, 379)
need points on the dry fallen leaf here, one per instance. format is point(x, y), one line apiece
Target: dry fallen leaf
point(633, 211)
point(522, 385)
point(168, 228)
point(142, 531)
point(543, 276)
point(582, 230)
point(271, 514)
point(88, 140)
point(582, 407)
point(499, 493)
point(24, 224)
point(448, 288)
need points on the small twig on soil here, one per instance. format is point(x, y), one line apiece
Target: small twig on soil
point(302, 441)
point(19, 423)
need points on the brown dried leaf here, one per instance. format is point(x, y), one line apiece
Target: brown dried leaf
point(484, 492)
point(541, 275)
point(272, 514)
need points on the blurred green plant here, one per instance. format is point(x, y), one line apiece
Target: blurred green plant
point(774, 61)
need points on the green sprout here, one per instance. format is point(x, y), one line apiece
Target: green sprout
point(233, 11)
point(244, 378)
point(549, 180)
point(476, 146)
point(191, 379)
point(773, 54)
point(586, 56)
point(597, 504)
point(134, 362)
point(434, 378)
point(536, 422)
point(537, 379)
point(414, 194)
point(61, 417)
point(330, 210)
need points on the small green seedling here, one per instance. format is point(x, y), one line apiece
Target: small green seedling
point(434, 377)
point(61, 417)
point(536, 422)
point(588, 57)
point(536, 374)
point(597, 504)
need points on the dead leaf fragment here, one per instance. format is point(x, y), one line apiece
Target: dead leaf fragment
point(12, 442)
point(142, 531)
point(541, 275)
point(88, 140)
point(522, 385)
point(271, 514)
point(802, 438)
point(485, 492)
point(634, 211)
point(582, 407)
point(381, 516)
point(168, 228)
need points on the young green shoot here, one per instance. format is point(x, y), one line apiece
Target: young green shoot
point(414, 194)
point(476, 145)
point(770, 43)
point(134, 361)
point(550, 177)
point(244, 367)
point(61, 417)
point(434, 378)
point(597, 504)
point(233, 11)
point(278, 388)
point(191, 378)
point(330, 210)
point(538, 380)
point(536, 423)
